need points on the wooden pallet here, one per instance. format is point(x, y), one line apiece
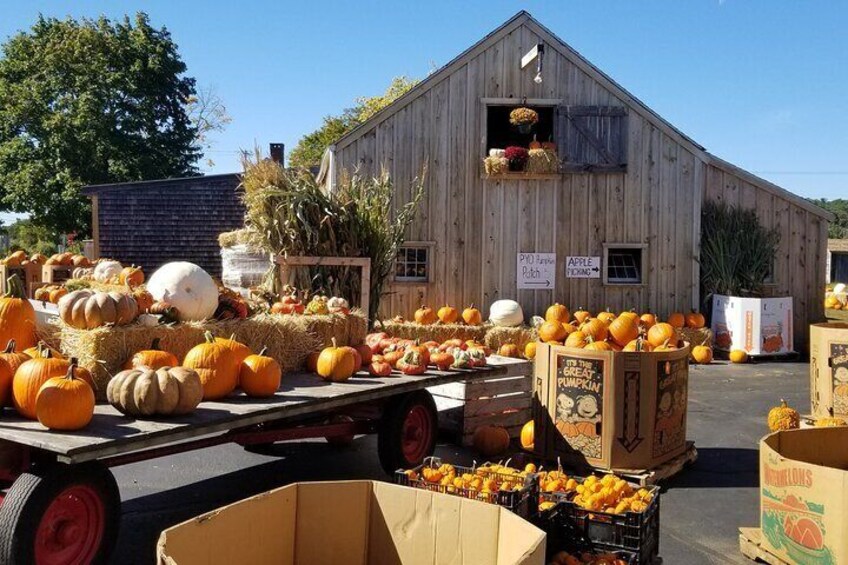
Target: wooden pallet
point(750, 544)
point(500, 401)
point(665, 471)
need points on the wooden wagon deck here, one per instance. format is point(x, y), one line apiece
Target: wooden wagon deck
point(301, 394)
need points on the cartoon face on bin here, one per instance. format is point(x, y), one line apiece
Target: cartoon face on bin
point(665, 404)
point(564, 407)
point(587, 407)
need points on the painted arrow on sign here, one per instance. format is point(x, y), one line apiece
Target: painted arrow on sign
point(630, 438)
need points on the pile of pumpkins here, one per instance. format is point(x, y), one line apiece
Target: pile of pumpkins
point(50, 293)
point(319, 305)
point(109, 271)
point(481, 481)
point(784, 417)
point(21, 259)
point(832, 300)
point(504, 313)
point(380, 355)
point(586, 558)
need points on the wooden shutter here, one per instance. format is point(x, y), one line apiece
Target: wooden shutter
point(592, 138)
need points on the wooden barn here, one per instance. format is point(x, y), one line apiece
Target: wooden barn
point(624, 204)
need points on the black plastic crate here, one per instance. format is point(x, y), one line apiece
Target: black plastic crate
point(522, 502)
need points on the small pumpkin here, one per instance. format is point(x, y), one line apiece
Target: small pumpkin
point(13, 358)
point(365, 354)
point(442, 361)
point(638, 345)
point(607, 316)
point(38, 259)
point(557, 313)
point(216, 365)
point(425, 316)
point(165, 391)
point(447, 314)
point(56, 294)
point(65, 403)
point(336, 364)
point(30, 377)
point(647, 320)
point(528, 435)
point(595, 328)
point(312, 361)
point(143, 299)
point(661, 334)
point(379, 369)
point(186, 287)
point(38, 350)
point(509, 350)
point(582, 315)
point(152, 358)
point(374, 341)
point(695, 320)
point(17, 316)
point(412, 363)
point(738, 356)
point(392, 357)
point(472, 316)
point(783, 417)
point(577, 339)
point(461, 358)
point(89, 309)
point(530, 350)
point(477, 356)
point(491, 440)
point(106, 270)
point(80, 261)
point(260, 375)
point(624, 329)
point(676, 320)
point(506, 313)
point(594, 345)
point(702, 354)
point(552, 330)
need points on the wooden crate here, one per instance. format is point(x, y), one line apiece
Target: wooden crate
point(30, 276)
point(500, 401)
point(55, 274)
point(751, 547)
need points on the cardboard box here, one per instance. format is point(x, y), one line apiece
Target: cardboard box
point(804, 495)
point(611, 410)
point(30, 275)
point(760, 326)
point(829, 369)
point(356, 523)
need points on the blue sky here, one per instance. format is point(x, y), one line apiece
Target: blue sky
point(761, 83)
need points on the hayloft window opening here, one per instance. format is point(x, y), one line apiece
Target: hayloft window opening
point(413, 263)
point(500, 134)
point(624, 264)
point(511, 147)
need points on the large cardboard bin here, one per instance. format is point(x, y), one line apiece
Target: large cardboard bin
point(355, 523)
point(829, 368)
point(623, 411)
point(804, 495)
point(759, 326)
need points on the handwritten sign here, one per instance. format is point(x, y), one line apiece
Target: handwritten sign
point(536, 271)
point(583, 267)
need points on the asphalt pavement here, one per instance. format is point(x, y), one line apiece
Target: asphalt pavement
point(701, 510)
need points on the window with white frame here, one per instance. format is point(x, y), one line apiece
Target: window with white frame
point(624, 263)
point(413, 262)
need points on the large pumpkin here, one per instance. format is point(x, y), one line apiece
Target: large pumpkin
point(65, 403)
point(337, 364)
point(89, 309)
point(624, 329)
point(528, 435)
point(17, 316)
point(106, 270)
point(552, 330)
point(216, 365)
point(507, 313)
point(260, 375)
point(152, 358)
point(662, 333)
point(186, 287)
point(491, 440)
point(163, 392)
point(557, 313)
point(30, 377)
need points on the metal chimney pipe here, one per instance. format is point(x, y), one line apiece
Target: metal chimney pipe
point(277, 151)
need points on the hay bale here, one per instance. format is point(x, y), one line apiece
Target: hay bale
point(289, 339)
point(497, 336)
point(436, 332)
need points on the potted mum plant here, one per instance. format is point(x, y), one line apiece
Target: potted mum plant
point(524, 119)
point(516, 157)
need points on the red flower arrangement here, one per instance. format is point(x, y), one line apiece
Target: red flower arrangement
point(517, 157)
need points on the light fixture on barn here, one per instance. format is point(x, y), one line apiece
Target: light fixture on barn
point(536, 53)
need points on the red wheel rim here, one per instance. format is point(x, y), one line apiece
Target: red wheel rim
point(71, 528)
point(417, 433)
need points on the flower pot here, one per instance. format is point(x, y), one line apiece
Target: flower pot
point(516, 166)
point(525, 128)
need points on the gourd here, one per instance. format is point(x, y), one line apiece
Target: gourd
point(552, 330)
point(461, 359)
point(425, 316)
point(17, 316)
point(491, 440)
point(143, 299)
point(187, 288)
point(472, 316)
point(336, 364)
point(30, 377)
point(695, 320)
point(623, 330)
point(557, 313)
point(338, 305)
point(166, 391)
point(702, 354)
point(661, 334)
point(82, 273)
point(216, 365)
point(412, 362)
point(89, 309)
point(260, 375)
point(530, 350)
point(676, 320)
point(509, 350)
point(528, 435)
point(379, 369)
point(65, 403)
point(152, 358)
point(506, 313)
point(830, 422)
point(318, 305)
point(80, 261)
point(447, 314)
point(131, 276)
point(783, 417)
point(442, 361)
point(106, 270)
point(738, 356)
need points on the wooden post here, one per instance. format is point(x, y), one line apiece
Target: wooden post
point(363, 263)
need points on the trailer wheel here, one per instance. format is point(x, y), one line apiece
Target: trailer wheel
point(408, 431)
point(61, 515)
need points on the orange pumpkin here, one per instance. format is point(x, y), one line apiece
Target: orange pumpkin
point(695, 320)
point(638, 345)
point(312, 361)
point(239, 350)
point(576, 339)
point(472, 316)
point(557, 313)
point(57, 293)
point(676, 320)
point(552, 331)
point(17, 316)
point(598, 346)
point(442, 361)
point(38, 259)
point(447, 314)
point(37, 350)
point(581, 315)
point(509, 350)
point(337, 364)
point(596, 329)
point(144, 299)
point(131, 276)
point(606, 316)
point(216, 365)
point(379, 369)
point(65, 403)
point(80, 261)
point(153, 358)
point(14, 358)
point(530, 350)
point(392, 357)
point(30, 377)
point(528, 435)
point(425, 316)
point(364, 353)
point(491, 440)
point(567, 429)
point(624, 329)
point(586, 429)
point(647, 320)
point(661, 334)
point(702, 354)
point(260, 375)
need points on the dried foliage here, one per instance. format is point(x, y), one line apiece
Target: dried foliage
point(288, 213)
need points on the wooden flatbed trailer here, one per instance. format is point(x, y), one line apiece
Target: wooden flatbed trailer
point(60, 503)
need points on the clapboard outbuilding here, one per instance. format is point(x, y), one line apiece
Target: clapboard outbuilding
point(629, 191)
point(150, 223)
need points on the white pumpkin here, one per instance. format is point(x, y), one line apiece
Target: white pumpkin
point(106, 270)
point(506, 313)
point(186, 287)
point(839, 288)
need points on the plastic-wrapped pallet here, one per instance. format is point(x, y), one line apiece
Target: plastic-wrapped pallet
point(243, 266)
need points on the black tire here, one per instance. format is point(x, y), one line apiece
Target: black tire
point(262, 448)
point(32, 493)
point(391, 431)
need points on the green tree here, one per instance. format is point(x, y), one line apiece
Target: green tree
point(31, 237)
point(838, 228)
point(88, 102)
point(308, 151)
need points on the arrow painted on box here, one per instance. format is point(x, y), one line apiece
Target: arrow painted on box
point(540, 283)
point(630, 438)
